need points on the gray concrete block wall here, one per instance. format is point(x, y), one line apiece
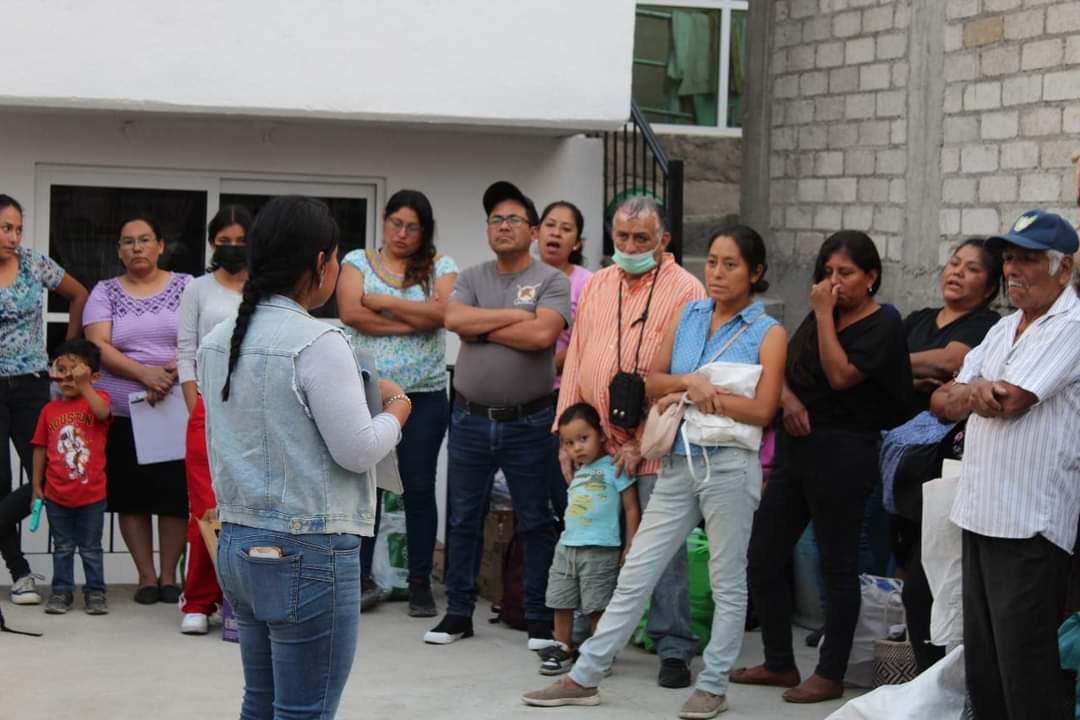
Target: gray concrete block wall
point(1011, 113)
point(939, 120)
point(837, 75)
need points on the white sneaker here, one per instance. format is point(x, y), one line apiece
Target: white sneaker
point(194, 624)
point(24, 591)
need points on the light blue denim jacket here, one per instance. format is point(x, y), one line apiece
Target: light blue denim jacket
point(271, 467)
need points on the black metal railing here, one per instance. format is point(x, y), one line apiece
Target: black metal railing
point(635, 163)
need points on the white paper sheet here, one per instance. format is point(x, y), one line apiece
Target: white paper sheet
point(161, 430)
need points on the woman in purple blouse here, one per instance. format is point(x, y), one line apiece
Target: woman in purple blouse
point(133, 319)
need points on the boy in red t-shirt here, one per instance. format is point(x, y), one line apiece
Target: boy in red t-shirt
point(69, 473)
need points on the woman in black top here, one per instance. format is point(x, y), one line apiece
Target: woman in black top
point(938, 339)
point(848, 377)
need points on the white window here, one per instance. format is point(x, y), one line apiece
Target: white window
point(690, 65)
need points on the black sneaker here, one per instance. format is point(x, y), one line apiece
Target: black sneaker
point(370, 594)
point(59, 603)
point(451, 629)
point(540, 635)
point(674, 673)
point(421, 601)
point(556, 660)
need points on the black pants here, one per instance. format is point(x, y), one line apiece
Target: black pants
point(917, 597)
point(1014, 598)
point(825, 476)
point(21, 400)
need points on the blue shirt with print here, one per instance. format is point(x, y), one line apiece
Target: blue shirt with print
point(592, 505)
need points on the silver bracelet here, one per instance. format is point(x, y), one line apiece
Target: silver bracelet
point(399, 396)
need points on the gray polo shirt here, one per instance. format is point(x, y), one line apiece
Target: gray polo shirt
point(494, 374)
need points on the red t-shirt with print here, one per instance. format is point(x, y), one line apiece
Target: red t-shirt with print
point(74, 442)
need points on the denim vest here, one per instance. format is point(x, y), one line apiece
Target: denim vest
point(271, 467)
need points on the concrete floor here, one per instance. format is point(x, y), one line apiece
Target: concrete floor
point(133, 663)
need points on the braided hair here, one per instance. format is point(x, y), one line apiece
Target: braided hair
point(283, 251)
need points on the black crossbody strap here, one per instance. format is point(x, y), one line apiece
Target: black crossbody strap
point(643, 319)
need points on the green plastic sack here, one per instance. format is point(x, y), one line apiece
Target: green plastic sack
point(701, 602)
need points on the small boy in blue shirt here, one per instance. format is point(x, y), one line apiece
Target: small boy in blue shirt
point(586, 565)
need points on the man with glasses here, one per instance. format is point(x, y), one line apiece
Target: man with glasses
point(509, 313)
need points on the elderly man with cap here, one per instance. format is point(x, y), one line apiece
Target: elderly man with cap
point(509, 313)
point(1019, 495)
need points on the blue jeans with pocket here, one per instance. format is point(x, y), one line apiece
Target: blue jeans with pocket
point(298, 616)
point(527, 453)
point(77, 528)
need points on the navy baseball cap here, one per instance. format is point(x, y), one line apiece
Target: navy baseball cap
point(1039, 230)
point(503, 190)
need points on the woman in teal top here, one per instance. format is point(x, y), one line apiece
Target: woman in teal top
point(24, 369)
point(392, 301)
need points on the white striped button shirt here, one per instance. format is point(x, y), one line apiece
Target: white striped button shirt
point(1021, 476)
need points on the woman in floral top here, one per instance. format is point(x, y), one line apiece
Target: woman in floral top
point(24, 366)
point(393, 301)
point(133, 319)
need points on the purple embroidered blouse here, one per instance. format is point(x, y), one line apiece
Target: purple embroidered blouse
point(144, 329)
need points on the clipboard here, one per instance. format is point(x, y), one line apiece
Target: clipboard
point(387, 476)
point(160, 430)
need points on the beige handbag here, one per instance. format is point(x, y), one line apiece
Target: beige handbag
point(661, 427)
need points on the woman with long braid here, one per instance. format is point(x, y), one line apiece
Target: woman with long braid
point(291, 441)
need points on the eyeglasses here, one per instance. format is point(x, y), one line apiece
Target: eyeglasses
point(411, 229)
point(127, 243)
point(514, 220)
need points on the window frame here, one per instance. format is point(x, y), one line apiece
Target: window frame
point(213, 183)
point(726, 7)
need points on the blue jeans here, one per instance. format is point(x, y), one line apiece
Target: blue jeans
point(526, 451)
point(298, 617)
point(726, 501)
point(669, 609)
point(418, 460)
point(81, 528)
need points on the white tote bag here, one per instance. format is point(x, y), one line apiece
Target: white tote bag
point(719, 430)
point(943, 557)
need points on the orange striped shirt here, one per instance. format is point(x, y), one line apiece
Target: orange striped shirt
point(591, 359)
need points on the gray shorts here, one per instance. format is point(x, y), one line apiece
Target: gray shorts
point(582, 578)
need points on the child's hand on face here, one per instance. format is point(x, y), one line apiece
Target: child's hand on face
point(80, 373)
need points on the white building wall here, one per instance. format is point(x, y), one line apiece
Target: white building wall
point(452, 167)
point(527, 63)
